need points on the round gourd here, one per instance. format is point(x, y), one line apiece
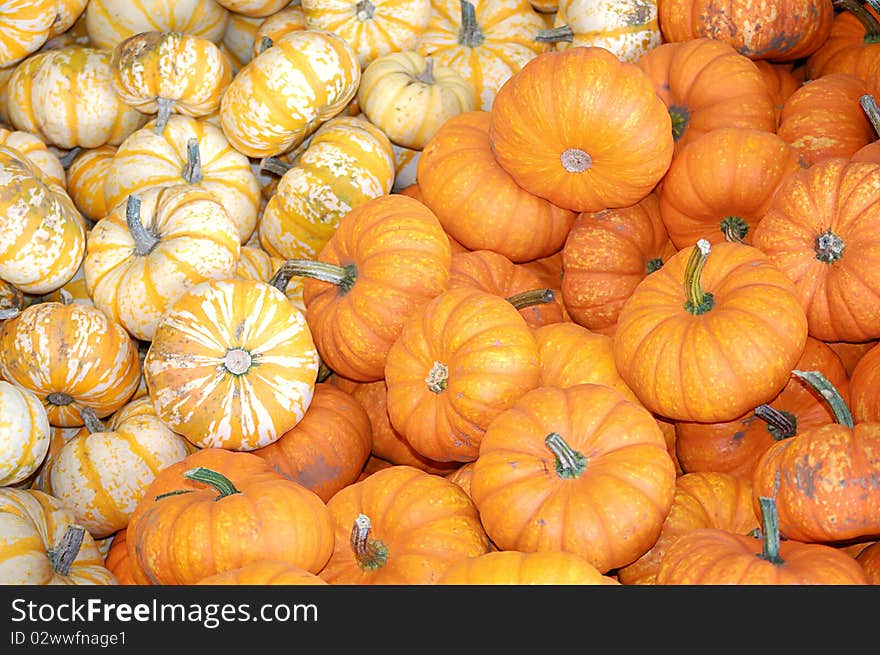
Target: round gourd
point(24, 433)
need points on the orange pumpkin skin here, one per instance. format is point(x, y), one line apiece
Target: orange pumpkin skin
point(328, 448)
point(685, 76)
point(782, 31)
point(782, 80)
point(117, 560)
point(419, 524)
point(263, 572)
point(705, 196)
point(604, 499)
point(824, 482)
point(493, 272)
point(734, 447)
point(746, 344)
point(824, 119)
point(509, 567)
point(702, 500)
point(864, 383)
point(582, 129)
point(478, 202)
point(820, 230)
point(461, 360)
point(269, 517)
point(719, 557)
point(402, 258)
point(851, 353)
point(869, 559)
point(846, 50)
point(606, 254)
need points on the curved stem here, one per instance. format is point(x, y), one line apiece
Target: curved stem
point(780, 424)
point(91, 421)
point(734, 228)
point(769, 531)
point(192, 171)
point(872, 111)
point(144, 239)
point(560, 34)
point(163, 114)
point(370, 553)
point(274, 165)
point(427, 75)
point(697, 301)
point(64, 554)
point(569, 463)
point(220, 482)
point(533, 297)
point(865, 17)
point(343, 277)
point(470, 35)
point(829, 393)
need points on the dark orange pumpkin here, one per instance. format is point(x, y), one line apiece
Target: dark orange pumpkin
point(853, 44)
point(782, 80)
point(865, 387)
point(264, 572)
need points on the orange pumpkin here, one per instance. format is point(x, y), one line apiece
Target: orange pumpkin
point(582, 129)
point(264, 572)
point(116, 560)
point(510, 567)
point(864, 382)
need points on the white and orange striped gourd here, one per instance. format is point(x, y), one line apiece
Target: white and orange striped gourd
point(24, 433)
point(290, 19)
point(254, 8)
point(153, 246)
point(85, 180)
point(38, 153)
point(26, 25)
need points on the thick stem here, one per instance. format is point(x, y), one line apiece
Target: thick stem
point(91, 421)
point(829, 393)
point(865, 17)
point(343, 277)
point(144, 239)
point(533, 297)
point(770, 530)
point(192, 171)
point(575, 160)
point(560, 34)
point(274, 165)
point(265, 44)
point(470, 35)
point(162, 115)
point(697, 301)
point(437, 377)
point(427, 75)
point(220, 482)
point(371, 554)
point(780, 424)
point(64, 554)
point(734, 228)
point(365, 10)
point(829, 247)
point(872, 111)
point(653, 265)
point(569, 463)
point(59, 398)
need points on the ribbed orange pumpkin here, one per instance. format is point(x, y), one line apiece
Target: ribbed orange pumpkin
point(264, 572)
point(864, 385)
point(710, 336)
point(582, 469)
point(510, 567)
point(582, 129)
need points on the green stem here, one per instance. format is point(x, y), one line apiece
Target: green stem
point(470, 35)
point(371, 554)
point(533, 297)
point(829, 247)
point(569, 463)
point(265, 44)
point(780, 424)
point(680, 117)
point(563, 33)
point(653, 265)
point(144, 239)
point(192, 171)
point(697, 301)
point(734, 228)
point(865, 17)
point(829, 393)
point(220, 482)
point(64, 554)
point(343, 277)
point(770, 530)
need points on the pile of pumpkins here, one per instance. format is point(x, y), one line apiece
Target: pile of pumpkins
point(439, 292)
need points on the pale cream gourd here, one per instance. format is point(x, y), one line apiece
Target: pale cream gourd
point(24, 433)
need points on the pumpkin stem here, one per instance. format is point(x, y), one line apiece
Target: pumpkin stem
point(64, 554)
point(829, 393)
point(343, 277)
point(575, 160)
point(162, 115)
point(697, 301)
point(91, 421)
point(265, 43)
point(780, 424)
point(59, 398)
point(192, 172)
point(324, 371)
point(437, 377)
point(563, 33)
point(654, 265)
point(533, 297)
point(371, 554)
point(470, 35)
point(220, 482)
point(274, 165)
point(770, 530)
point(144, 239)
point(569, 463)
point(864, 16)
point(680, 117)
point(65, 296)
point(427, 75)
point(68, 157)
point(238, 361)
point(9, 312)
point(872, 111)
point(365, 10)
point(734, 228)
point(829, 247)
